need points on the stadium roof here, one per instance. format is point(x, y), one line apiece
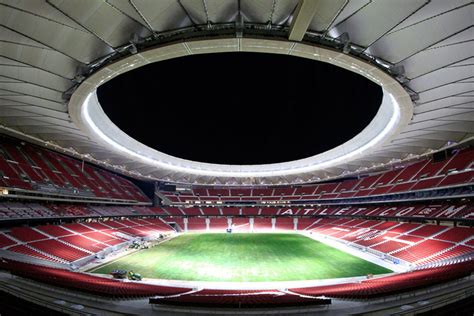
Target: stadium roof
point(47, 48)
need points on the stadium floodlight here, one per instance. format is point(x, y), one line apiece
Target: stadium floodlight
point(413, 94)
point(81, 73)
point(132, 48)
point(66, 95)
point(344, 39)
point(397, 70)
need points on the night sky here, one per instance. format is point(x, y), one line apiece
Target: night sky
point(241, 108)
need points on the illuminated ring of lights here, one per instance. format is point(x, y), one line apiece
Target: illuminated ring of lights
point(393, 115)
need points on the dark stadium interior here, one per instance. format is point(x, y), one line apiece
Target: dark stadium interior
point(241, 108)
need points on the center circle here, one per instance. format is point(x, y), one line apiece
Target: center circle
point(240, 108)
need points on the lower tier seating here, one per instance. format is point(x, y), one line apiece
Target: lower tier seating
point(55, 230)
point(104, 238)
point(220, 223)
point(240, 299)
point(262, 224)
point(391, 284)
point(61, 241)
point(5, 241)
point(406, 241)
point(422, 250)
point(456, 235)
point(370, 288)
point(87, 283)
point(84, 243)
point(284, 223)
point(59, 249)
point(409, 242)
point(30, 252)
point(196, 223)
point(26, 234)
point(456, 251)
point(240, 224)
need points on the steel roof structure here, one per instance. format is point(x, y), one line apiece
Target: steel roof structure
point(47, 48)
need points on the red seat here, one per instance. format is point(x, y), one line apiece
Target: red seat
point(456, 234)
point(196, 223)
point(26, 234)
point(240, 299)
point(391, 284)
point(87, 283)
point(59, 249)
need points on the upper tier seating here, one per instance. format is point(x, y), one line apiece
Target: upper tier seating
point(16, 210)
point(213, 211)
point(28, 167)
point(192, 211)
point(250, 211)
point(437, 211)
point(441, 210)
point(420, 175)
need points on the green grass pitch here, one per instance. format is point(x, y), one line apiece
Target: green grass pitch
point(243, 258)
